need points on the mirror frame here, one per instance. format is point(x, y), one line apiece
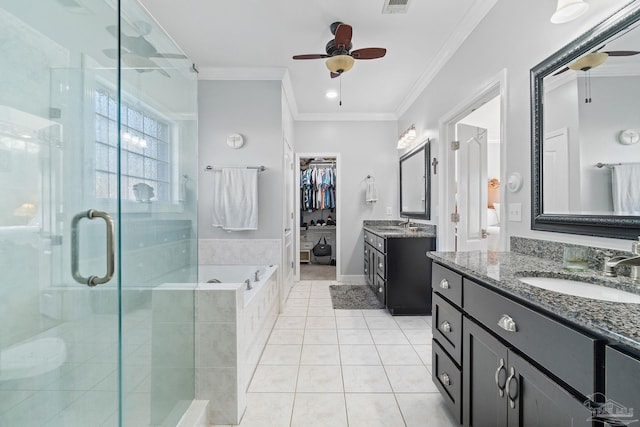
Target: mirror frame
point(616, 226)
point(425, 149)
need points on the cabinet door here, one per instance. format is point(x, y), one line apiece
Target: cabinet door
point(536, 400)
point(485, 375)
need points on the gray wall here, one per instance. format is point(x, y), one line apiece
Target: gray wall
point(505, 39)
point(253, 109)
point(366, 148)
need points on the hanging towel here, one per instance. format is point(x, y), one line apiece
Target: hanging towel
point(218, 200)
point(240, 199)
point(371, 194)
point(625, 183)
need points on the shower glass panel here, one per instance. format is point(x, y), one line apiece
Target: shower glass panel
point(84, 143)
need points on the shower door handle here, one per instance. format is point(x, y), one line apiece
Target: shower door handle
point(75, 248)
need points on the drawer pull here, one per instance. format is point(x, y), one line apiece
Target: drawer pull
point(444, 284)
point(380, 265)
point(501, 381)
point(444, 377)
point(380, 289)
point(365, 270)
point(507, 323)
point(445, 327)
point(379, 245)
point(366, 252)
point(512, 392)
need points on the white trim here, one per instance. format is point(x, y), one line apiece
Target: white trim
point(296, 225)
point(352, 117)
point(469, 22)
point(495, 86)
point(289, 94)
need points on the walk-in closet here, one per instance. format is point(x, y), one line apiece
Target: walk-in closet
point(318, 181)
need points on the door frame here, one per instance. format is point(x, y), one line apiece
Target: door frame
point(496, 86)
point(296, 208)
point(288, 176)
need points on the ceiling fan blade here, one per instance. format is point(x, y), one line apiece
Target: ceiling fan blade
point(113, 30)
point(622, 52)
point(369, 53)
point(334, 75)
point(169, 56)
point(110, 53)
point(311, 56)
point(343, 36)
point(561, 71)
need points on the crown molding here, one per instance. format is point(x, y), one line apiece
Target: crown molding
point(469, 22)
point(345, 117)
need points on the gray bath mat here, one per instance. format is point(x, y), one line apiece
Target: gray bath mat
point(354, 297)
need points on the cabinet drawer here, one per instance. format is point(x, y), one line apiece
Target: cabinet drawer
point(380, 288)
point(565, 352)
point(370, 238)
point(381, 244)
point(447, 327)
point(448, 378)
point(447, 283)
point(622, 378)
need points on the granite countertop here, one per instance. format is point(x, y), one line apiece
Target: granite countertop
point(617, 323)
point(393, 228)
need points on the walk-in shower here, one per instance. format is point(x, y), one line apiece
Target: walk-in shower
point(98, 145)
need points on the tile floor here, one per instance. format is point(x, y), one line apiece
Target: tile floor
point(326, 367)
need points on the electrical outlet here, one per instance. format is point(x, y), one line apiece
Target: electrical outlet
point(389, 211)
point(515, 212)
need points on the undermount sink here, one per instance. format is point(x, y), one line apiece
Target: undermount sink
point(581, 289)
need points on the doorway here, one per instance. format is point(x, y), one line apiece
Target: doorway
point(316, 180)
point(472, 188)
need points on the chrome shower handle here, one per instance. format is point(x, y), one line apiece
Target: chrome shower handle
point(75, 248)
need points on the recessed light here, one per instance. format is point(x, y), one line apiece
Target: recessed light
point(332, 94)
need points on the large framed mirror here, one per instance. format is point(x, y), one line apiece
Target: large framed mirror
point(415, 183)
point(585, 113)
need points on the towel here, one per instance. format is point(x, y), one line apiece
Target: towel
point(218, 201)
point(240, 199)
point(625, 187)
point(371, 194)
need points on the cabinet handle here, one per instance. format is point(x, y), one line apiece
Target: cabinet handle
point(445, 327)
point(444, 284)
point(444, 377)
point(501, 372)
point(379, 245)
point(365, 270)
point(366, 252)
point(507, 323)
point(380, 265)
point(512, 394)
point(380, 289)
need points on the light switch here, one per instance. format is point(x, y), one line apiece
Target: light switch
point(515, 212)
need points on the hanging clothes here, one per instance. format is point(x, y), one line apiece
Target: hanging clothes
point(317, 188)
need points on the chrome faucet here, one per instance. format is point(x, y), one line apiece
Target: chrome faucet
point(256, 277)
point(406, 223)
point(248, 283)
point(633, 261)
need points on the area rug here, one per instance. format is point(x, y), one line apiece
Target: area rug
point(354, 297)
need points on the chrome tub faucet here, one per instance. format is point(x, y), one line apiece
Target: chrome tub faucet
point(633, 261)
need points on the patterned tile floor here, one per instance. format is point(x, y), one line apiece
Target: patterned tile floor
point(326, 367)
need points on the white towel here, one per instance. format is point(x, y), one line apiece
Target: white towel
point(218, 200)
point(625, 183)
point(240, 199)
point(371, 194)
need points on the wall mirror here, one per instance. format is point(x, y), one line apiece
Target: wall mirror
point(585, 110)
point(415, 183)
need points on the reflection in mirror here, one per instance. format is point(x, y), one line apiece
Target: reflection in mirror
point(585, 157)
point(415, 183)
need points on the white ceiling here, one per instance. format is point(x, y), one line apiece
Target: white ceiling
point(255, 39)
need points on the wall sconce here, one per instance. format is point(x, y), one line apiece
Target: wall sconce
point(406, 137)
point(568, 10)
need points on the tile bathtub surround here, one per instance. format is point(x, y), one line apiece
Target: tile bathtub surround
point(333, 373)
point(553, 251)
point(239, 251)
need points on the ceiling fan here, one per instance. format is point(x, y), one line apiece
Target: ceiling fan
point(339, 56)
point(594, 59)
point(137, 51)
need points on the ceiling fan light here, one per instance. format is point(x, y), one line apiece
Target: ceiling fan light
point(589, 61)
point(568, 10)
point(340, 63)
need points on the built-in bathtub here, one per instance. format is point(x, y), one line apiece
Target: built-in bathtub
point(232, 328)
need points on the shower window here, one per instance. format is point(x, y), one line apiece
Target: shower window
point(145, 141)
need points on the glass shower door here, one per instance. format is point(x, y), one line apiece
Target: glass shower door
point(59, 338)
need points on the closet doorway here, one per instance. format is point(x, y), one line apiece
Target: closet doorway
point(318, 219)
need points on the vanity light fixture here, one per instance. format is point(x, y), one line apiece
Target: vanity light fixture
point(406, 137)
point(568, 10)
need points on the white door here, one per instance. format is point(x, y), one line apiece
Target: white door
point(288, 258)
point(555, 170)
point(472, 183)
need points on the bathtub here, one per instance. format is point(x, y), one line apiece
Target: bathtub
point(232, 328)
point(231, 276)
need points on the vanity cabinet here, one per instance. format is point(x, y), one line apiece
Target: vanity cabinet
point(622, 384)
point(399, 272)
point(497, 362)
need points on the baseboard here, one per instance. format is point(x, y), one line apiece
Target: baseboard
point(357, 279)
